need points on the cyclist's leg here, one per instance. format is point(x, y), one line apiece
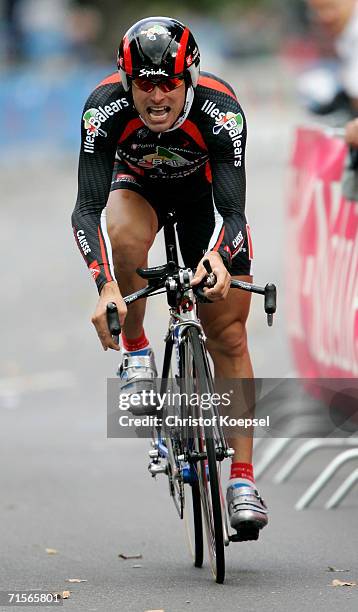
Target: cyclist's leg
point(224, 322)
point(132, 227)
point(225, 327)
point(132, 224)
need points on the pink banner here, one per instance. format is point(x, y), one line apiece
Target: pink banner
point(322, 254)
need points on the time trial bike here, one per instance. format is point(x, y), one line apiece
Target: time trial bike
point(188, 443)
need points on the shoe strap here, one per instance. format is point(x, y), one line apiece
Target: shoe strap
point(135, 361)
point(235, 494)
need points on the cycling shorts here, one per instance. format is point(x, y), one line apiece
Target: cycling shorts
point(194, 211)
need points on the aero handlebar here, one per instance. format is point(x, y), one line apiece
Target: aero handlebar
point(158, 281)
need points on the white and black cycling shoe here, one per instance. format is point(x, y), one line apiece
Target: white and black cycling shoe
point(138, 375)
point(247, 511)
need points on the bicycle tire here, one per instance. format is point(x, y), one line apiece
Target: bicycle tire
point(198, 525)
point(194, 526)
point(209, 487)
point(170, 440)
point(196, 547)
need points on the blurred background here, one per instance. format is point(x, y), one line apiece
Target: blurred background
point(66, 486)
point(53, 51)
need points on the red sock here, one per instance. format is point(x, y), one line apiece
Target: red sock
point(242, 470)
point(135, 344)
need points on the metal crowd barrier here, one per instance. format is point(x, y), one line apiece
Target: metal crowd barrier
point(274, 449)
point(306, 449)
point(324, 478)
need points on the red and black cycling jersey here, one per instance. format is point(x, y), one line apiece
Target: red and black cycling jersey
point(208, 149)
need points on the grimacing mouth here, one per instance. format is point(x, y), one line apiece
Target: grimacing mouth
point(158, 110)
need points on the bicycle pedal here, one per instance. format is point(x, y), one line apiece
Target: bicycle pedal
point(246, 533)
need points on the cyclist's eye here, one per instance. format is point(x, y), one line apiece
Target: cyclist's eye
point(170, 84)
point(165, 85)
point(144, 85)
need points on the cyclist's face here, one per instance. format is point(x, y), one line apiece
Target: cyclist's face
point(159, 109)
point(333, 14)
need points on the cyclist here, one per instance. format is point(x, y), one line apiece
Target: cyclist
point(156, 132)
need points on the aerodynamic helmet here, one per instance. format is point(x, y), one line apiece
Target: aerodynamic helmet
point(158, 47)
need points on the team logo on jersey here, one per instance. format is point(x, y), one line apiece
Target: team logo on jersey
point(94, 117)
point(163, 156)
point(92, 123)
point(155, 30)
point(237, 244)
point(230, 121)
point(94, 269)
point(142, 133)
point(124, 178)
point(83, 242)
point(238, 240)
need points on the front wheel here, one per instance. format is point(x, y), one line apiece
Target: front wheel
point(204, 443)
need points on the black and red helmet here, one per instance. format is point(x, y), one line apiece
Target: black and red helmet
point(158, 47)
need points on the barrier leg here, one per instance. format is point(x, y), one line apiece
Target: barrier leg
point(306, 449)
point(342, 491)
point(323, 478)
point(269, 456)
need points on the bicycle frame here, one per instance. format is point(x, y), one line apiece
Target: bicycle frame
point(179, 323)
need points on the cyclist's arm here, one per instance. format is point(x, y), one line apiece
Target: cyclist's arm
point(94, 180)
point(227, 161)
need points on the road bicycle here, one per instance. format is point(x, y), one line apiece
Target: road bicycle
point(188, 442)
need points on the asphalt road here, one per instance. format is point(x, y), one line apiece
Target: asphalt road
point(65, 486)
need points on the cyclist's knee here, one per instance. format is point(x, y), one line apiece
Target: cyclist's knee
point(132, 226)
point(130, 243)
point(230, 340)
point(128, 237)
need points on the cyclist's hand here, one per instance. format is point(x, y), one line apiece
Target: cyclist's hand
point(351, 135)
point(110, 293)
point(223, 278)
